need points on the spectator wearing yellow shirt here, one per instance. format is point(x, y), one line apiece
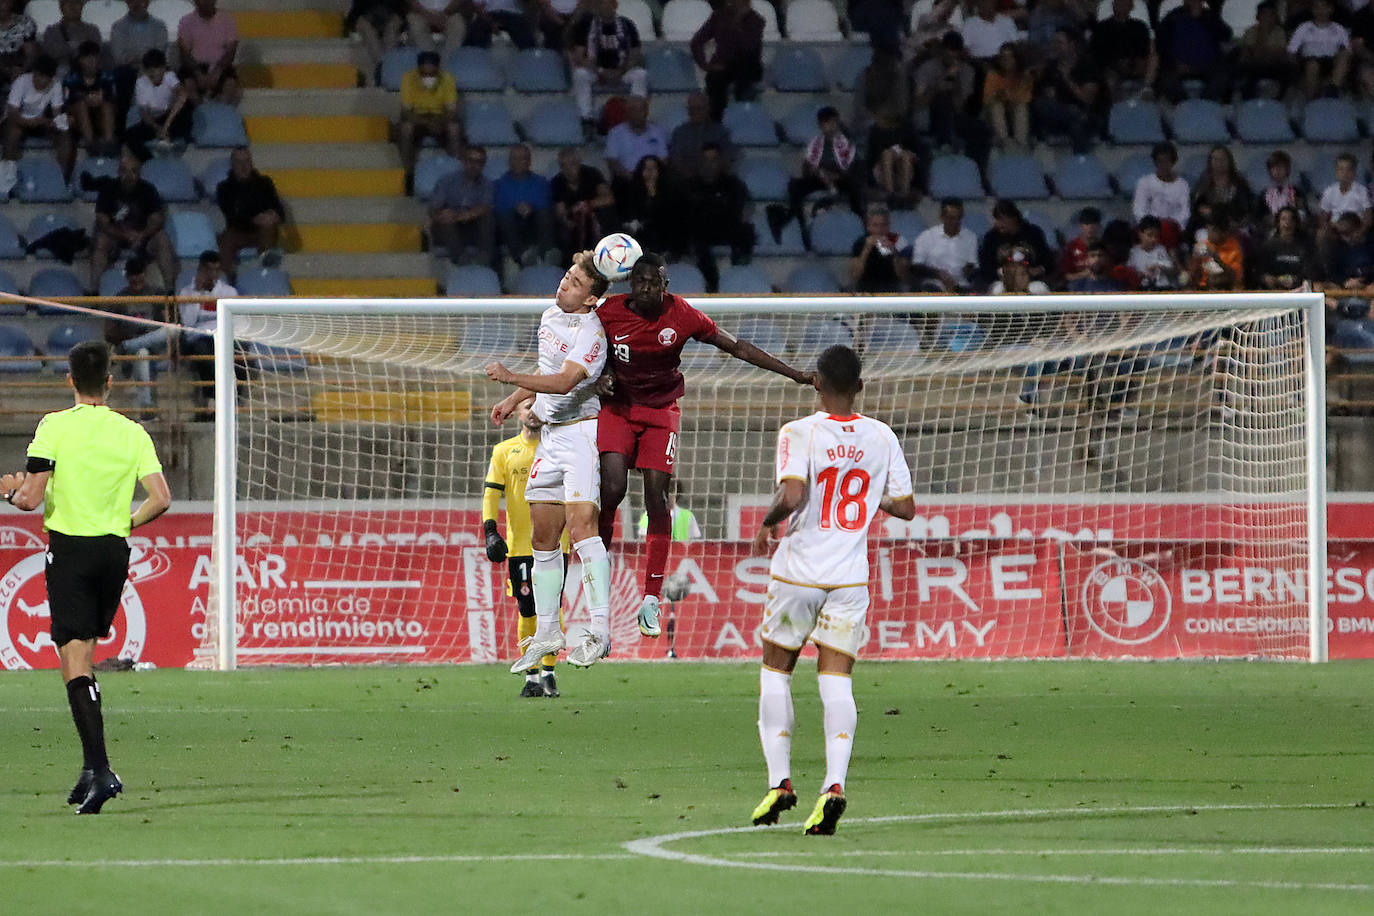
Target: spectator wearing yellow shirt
point(429, 108)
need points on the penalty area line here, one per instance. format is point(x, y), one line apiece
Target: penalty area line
point(315, 860)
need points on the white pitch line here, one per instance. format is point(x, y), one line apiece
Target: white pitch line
point(654, 847)
point(1114, 851)
point(312, 860)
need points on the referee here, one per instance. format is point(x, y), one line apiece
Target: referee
point(82, 466)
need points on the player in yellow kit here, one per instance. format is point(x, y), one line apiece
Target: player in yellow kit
point(509, 469)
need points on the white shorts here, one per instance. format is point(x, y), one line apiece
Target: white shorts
point(566, 466)
point(830, 617)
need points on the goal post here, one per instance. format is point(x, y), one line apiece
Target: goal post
point(1111, 476)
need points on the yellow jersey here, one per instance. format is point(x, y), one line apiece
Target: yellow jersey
point(507, 474)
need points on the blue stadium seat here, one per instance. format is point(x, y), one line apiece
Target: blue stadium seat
point(1042, 220)
point(1200, 121)
point(215, 124)
point(834, 231)
point(111, 281)
point(1017, 176)
point(70, 333)
point(430, 170)
point(890, 335)
point(797, 68)
point(686, 278)
point(492, 336)
point(54, 282)
point(395, 64)
point(850, 65)
point(554, 123)
point(209, 178)
point(670, 69)
point(958, 335)
point(44, 223)
point(1256, 172)
point(1356, 337)
point(766, 179)
point(745, 280)
point(172, 179)
point(539, 70)
point(669, 112)
point(1135, 121)
point(790, 241)
point(1263, 121)
point(750, 124)
point(680, 19)
point(487, 123)
point(266, 282)
point(472, 281)
point(953, 175)
point(639, 13)
point(799, 124)
point(819, 333)
point(811, 279)
point(908, 224)
point(763, 333)
point(191, 232)
point(978, 216)
point(15, 345)
point(1081, 177)
point(186, 276)
point(96, 167)
point(475, 70)
point(1192, 166)
point(1330, 121)
point(1130, 171)
point(41, 181)
point(539, 280)
point(10, 285)
point(267, 358)
point(10, 244)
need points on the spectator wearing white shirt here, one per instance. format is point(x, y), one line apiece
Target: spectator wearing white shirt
point(163, 104)
point(985, 33)
point(34, 109)
point(945, 257)
point(1163, 194)
point(1344, 195)
point(208, 287)
point(1322, 49)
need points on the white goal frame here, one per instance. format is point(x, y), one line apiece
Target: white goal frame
point(1312, 305)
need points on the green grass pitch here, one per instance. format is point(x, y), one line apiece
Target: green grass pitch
point(975, 788)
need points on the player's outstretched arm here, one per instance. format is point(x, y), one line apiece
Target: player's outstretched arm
point(24, 490)
point(786, 499)
point(903, 507)
point(561, 383)
point(743, 349)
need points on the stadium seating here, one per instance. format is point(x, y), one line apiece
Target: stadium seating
point(1239, 15)
point(958, 335)
point(745, 280)
point(670, 69)
point(799, 124)
point(45, 13)
point(687, 279)
point(1200, 121)
point(834, 231)
point(953, 175)
point(890, 335)
point(95, 167)
point(638, 12)
point(9, 285)
point(1256, 171)
point(171, 12)
point(813, 20)
point(797, 68)
point(1263, 121)
point(539, 70)
point(486, 122)
point(1130, 171)
point(472, 280)
point(111, 282)
point(54, 282)
point(475, 70)
point(262, 281)
point(1041, 220)
point(210, 177)
point(539, 280)
point(11, 246)
point(70, 333)
point(682, 18)
point(669, 112)
point(553, 123)
point(430, 170)
point(191, 232)
point(44, 223)
point(1355, 336)
point(396, 63)
point(789, 244)
point(215, 124)
point(771, 32)
point(812, 279)
point(750, 124)
point(1330, 121)
point(819, 333)
point(1017, 176)
point(850, 66)
point(268, 358)
point(103, 14)
point(765, 178)
point(908, 224)
point(765, 334)
point(172, 179)
point(15, 344)
point(1135, 121)
point(1081, 177)
point(1192, 166)
point(41, 181)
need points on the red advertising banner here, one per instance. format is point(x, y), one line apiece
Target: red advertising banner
point(963, 581)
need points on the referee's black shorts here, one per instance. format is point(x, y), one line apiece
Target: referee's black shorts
point(85, 578)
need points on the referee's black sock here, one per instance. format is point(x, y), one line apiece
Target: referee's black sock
point(83, 693)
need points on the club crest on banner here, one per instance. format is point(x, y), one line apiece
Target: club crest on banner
point(1126, 601)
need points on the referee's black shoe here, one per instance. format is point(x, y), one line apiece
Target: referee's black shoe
point(105, 785)
point(83, 785)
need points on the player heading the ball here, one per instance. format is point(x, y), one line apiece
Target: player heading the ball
point(640, 418)
point(835, 469)
point(563, 489)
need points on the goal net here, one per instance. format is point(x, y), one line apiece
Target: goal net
point(1104, 476)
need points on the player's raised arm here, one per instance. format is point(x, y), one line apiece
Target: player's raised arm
point(743, 349)
point(565, 380)
point(508, 405)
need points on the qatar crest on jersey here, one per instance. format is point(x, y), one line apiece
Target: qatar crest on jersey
point(667, 336)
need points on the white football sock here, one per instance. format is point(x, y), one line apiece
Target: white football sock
point(775, 723)
point(841, 718)
point(548, 590)
point(596, 576)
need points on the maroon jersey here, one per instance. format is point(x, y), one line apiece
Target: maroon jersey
point(646, 354)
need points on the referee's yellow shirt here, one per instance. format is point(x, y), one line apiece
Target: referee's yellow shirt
point(98, 457)
point(508, 473)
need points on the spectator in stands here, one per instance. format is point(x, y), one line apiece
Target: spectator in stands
point(1344, 195)
point(426, 18)
point(987, 30)
point(35, 109)
point(1123, 50)
point(253, 212)
point(895, 150)
point(1007, 91)
point(1068, 95)
point(523, 204)
point(128, 338)
point(1014, 273)
point(1321, 48)
point(490, 16)
point(1350, 257)
point(1361, 24)
point(717, 215)
point(378, 25)
point(554, 17)
point(429, 108)
point(132, 36)
point(1263, 54)
point(1046, 17)
point(1073, 260)
point(1191, 43)
point(1155, 266)
point(63, 39)
point(460, 214)
point(203, 316)
point(735, 32)
point(882, 20)
point(91, 98)
point(693, 135)
point(18, 41)
point(633, 139)
point(1281, 191)
point(164, 107)
point(1222, 188)
point(1218, 262)
point(1163, 194)
point(651, 208)
point(883, 91)
point(944, 258)
point(130, 216)
point(583, 205)
point(881, 259)
point(209, 42)
point(1288, 258)
point(944, 87)
point(1098, 277)
point(604, 51)
point(930, 26)
point(1010, 229)
point(827, 165)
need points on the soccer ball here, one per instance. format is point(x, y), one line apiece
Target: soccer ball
point(615, 255)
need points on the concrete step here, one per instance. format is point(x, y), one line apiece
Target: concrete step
point(337, 209)
point(314, 129)
point(374, 155)
point(359, 183)
point(236, 6)
point(298, 51)
point(300, 76)
point(375, 264)
point(284, 23)
point(365, 287)
point(324, 101)
point(353, 238)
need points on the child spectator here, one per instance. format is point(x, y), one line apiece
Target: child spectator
point(1217, 263)
point(35, 110)
point(164, 107)
point(1281, 191)
point(1344, 195)
point(1098, 277)
point(1287, 258)
point(1163, 194)
point(91, 101)
point(1073, 260)
point(828, 165)
point(1151, 261)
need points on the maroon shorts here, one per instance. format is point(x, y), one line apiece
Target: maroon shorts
point(646, 436)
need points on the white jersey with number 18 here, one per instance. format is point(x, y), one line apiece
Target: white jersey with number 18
point(848, 464)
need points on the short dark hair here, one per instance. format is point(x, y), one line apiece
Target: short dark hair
point(88, 49)
point(828, 113)
point(1279, 156)
point(952, 41)
point(89, 364)
point(951, 202)
point(1097, 246)
point(1159, 149)
point(154, 57)
point(1005, 207)
point(1149, 222)
point(45, 66)
point(208, 256)
point(135, 266)
point(427, 57)
point(650, 259)
point(1090, 215)
point(840, 369)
